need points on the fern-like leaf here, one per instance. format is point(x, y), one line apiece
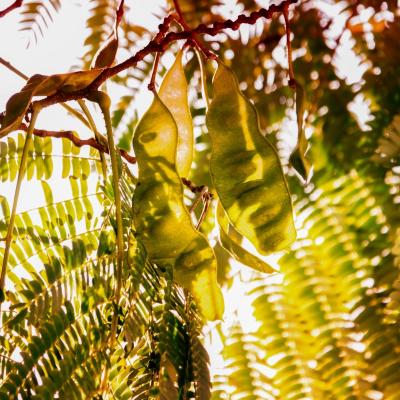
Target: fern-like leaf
point(36, 16)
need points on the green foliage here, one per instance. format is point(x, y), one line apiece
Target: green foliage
point(325, 330)
point(112, 270)
point(59, 315)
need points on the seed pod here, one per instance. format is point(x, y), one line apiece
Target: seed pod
point(105, 56)
point(42, 85)
point(174, 94)
point(246, 170)
point(161, 219)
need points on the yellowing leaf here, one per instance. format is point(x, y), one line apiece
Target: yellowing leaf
point(105, 56)
point(174, 94)
point(246, 170)
point(161, 219)
point(298, 158)
point(229, 240)
point(42, 85)
point(18, 104)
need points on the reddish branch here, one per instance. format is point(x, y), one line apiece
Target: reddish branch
point(152, 85)
point(189, 184)
point(13, 6)
point(92, 142)
point(161, 42)
point(194, 39)
point(158, 45)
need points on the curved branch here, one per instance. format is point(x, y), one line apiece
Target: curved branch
point(13, 6)
point(92, 142)
point(181, 20)
point(160, 42)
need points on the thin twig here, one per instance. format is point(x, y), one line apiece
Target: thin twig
point(99, 138)
point(206, 202)
point(13, 6)
point(203, 78)
point(205, 196)
point(204, 190)
point(104, 102)
point(164, 27)
point(292, 80)
point(194, 38)
point(92, 142)
point(193, 188)
point(152, 85)
point(13, 69)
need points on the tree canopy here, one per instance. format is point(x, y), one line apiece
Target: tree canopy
point(238, 237)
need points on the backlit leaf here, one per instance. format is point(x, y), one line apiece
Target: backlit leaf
point(298, 158)
point(230, 240)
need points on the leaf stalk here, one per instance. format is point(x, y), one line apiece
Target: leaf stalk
point(21, 173)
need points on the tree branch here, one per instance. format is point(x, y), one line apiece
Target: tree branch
point(160, 42)
point(92, 142)
point(65, 106)
point(194, 38)
point(13, 6)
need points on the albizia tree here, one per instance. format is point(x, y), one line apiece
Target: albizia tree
point(153, 231)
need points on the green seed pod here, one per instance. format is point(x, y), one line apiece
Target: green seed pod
point(161, 219)
point(246, 170)
point(174, 94)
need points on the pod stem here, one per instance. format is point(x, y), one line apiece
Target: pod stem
point(152, 85)
point(21, 173)
point(104, 102)
point(193, 37)
point(203, 78)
